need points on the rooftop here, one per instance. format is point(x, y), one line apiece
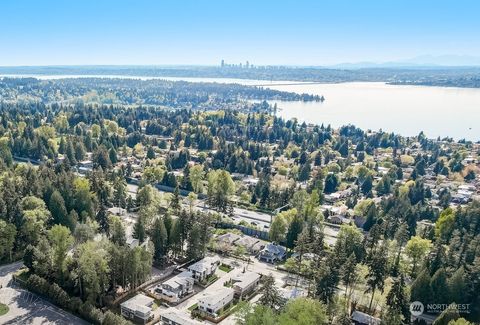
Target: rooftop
point(178, 317)
point(243, 280)
point(363, 318)
point(138, 303)
point(204, 264)
point(179, 280)
point(215, 297)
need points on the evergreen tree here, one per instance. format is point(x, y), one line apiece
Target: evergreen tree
point(294, 229)
point(102, 219)
point(139, 230)
point(271, 297)
point(117, 231)
point(439, 286)
point(397, 300)
point(175, 202)
point(421, 289)
point(331, 183)
point(159, 239)
point(56, 205)
point(377, 272)
point(150, 153)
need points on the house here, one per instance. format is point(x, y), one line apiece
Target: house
point(305, 257)
point(174, 289)
point(359, 318)
point(117, 211)
point(214, 302)
point(245, 283)
point(204, 268)
point(228, 239)
point(138, 308)
point(383, 170)
point(272, 253)
point(84, 170)
point(338, 219)
point(173, 316)
point(331, 210)
point(332, 197)
point(84, 167)
point(133, 242)
point(251, 244)
point(86, 164)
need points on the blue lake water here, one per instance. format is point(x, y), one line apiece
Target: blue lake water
point(407, 110)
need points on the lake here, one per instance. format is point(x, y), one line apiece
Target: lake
point(407, 110)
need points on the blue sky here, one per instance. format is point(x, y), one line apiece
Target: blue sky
point(290, 32)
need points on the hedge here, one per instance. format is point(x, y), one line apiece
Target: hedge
point(75, 305)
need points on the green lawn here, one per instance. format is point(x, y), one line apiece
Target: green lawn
point(3, 309)
point(208, 281)
point(192, 307)
point(225, 268)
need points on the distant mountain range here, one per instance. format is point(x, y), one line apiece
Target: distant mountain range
point(423, 61)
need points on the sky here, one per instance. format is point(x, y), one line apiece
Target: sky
point(264, 32)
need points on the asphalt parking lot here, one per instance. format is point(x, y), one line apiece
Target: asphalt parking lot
point(28, 308)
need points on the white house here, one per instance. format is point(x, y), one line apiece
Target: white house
point(174, 289)
point(245, 283)
point(173, 316)
point(138, 308)
point(213, 302)
point(204, 268)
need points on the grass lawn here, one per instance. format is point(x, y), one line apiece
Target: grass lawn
point(3, 309)
point(208, 281)
point(192, 307)
point(233, 307)
point(225, 268)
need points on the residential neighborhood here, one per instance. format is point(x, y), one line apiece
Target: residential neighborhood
point(276, 190)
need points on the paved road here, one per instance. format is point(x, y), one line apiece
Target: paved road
point(280, 277)
point(28, 308)
point(258, 219)
point(262, 220)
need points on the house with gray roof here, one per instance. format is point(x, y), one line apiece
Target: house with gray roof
point(214, 302)
point(174, 289)
point(272, 253)
point(204, 268)
point(138, 308)
point(245, 283)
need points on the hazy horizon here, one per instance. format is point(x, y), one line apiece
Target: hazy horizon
point(424, 61)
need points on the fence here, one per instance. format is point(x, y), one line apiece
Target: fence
point(246, 230)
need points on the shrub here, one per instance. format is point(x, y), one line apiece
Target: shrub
point(74, 304)
point(114, 319)
point(38, 285)
point(59, 296)
point(90, 313)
